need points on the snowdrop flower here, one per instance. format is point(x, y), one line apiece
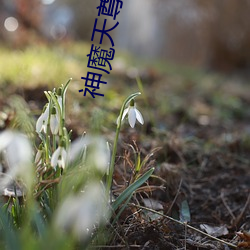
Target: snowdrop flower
point(79, 214)
point(59, 97)
point(17, 152)
point(98, 152)
point(133, 114)
point(39, 154)
point(42, 122)
point(54, 121)
point(59, 157)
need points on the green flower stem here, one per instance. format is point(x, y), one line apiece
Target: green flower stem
point(112, 164)
point(54, 142)
point(63, 100)
point(47, 137)
point(59, 111)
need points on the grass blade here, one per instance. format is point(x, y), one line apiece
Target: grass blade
point(128, 191)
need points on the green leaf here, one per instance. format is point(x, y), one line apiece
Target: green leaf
point(185, 212)
point(39, 222)
point(122, 209)
point(129, 190)
point(10, 236)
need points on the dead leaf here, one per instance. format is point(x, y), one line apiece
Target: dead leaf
point(245, 236)
point(155, 205)
point(152, 204)
point(215, 231)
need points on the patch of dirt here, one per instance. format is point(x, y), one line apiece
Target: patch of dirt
point(204, 161)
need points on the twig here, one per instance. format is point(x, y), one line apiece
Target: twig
point(184, 224)
point(175, 198)
point(116, 246)
point(227, 207)
point(239, 217)
point(185, 242)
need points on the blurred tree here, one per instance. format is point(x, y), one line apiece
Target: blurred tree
point(27, 17)
point(229, 34)
point(211, 33)
point(214, 33)
point(85, 13)
point(29, 14)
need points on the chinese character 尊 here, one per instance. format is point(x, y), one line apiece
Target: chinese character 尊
point(99, 57)
point(103, 31)
point(112, 9)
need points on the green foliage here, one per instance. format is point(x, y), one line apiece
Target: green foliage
point(132, 188)
point(67, 205)
point(38, 65)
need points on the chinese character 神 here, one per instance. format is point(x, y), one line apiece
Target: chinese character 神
point(112, 9)
point(103, 31)
point(98, 58)
point(95, 80)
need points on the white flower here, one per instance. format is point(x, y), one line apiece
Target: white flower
point(42, 122)
point(17, 152)
point(79, 214)
point(98, 152)
point(133, 114)
point(59, 99)
point(59, 157)
point(54, 121)
point(39, 155)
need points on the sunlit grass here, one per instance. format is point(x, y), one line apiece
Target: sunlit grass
point(37, 65)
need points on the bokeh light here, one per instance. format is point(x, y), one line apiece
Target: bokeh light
point(47, 2)
point(11, 24)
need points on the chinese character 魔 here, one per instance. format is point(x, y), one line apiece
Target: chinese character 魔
point(95, 80)
point(112, 9)
point(103, 31)
point(98, 58)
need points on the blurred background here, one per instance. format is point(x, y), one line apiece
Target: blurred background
point(193, 60)
point(212, 34)
point(193, 57)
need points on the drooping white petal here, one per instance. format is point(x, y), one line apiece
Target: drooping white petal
point(59, 157)
point(139, 116)
point(61, 163)
point(101, 154)
point(98, 152)
point(44, 127)
point(5, 139)
point(59, 99)
point(39, 123)
point(38, 156)
point(55, 156)
point(77, 148)
point(123, 115)
point(54, 124)
point(125, 112)
point(18, 156)
point(63, 159)
point(78, 214)
point(19, 151)
point(132, 117)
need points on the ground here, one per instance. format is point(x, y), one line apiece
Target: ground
point(197, 124)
